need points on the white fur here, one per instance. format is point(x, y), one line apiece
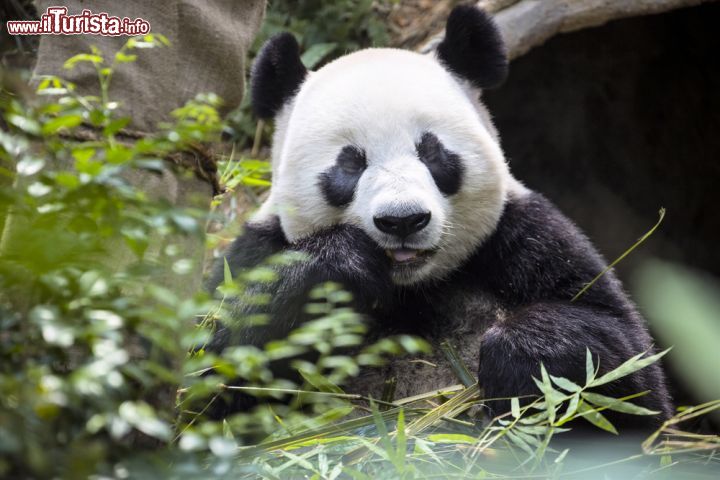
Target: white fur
point(383, 100)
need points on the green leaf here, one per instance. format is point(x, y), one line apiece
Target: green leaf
point(255, 182)
point(400, 440)
point(552, 397)
point(457, 364)
point(26, 124)
point(122, 57)
point(515, 407)
point(627, 252)
point(596, 418)
point(589, 367)
point(315, 54)
point(519, 442)
point(82, 154)
point(631, 366)
point(565, 384)
point(115, 126)
point(562, 456)
point(66, 121)
point(616, 405)
point(80, 58)
point(382, 429)
point(143, 417)
point(227, 274)
point(451, 438)
point(321, 383)
point(571, 409)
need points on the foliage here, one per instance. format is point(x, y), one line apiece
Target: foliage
point(85, 347)
point(104, 370)
point(95, 339)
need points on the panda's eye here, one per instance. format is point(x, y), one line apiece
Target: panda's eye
point(430, 150)
point(445, 166)
point(338, 182)
point(352, 160)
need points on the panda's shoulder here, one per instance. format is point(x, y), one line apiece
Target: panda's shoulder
point(538, 253)
point(533, 217)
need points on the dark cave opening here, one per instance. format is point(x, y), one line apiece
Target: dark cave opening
point(614, 122)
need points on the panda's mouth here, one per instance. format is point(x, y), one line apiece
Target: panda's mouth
point(407, 256)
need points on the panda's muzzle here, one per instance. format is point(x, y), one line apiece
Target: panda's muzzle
point(404, 226)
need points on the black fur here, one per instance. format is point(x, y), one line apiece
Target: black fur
point(338, 183)
point(343, 253)
point(473, 48)
point(528, 270)
point(445, 166)
point(277, 75)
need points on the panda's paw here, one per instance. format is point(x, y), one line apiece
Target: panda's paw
point(345, 247)
point(347, 255)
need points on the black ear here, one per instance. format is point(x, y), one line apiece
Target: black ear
point(277, 75)
point(473, 48)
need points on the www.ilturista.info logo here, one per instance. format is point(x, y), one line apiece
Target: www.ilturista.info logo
point(56, 21)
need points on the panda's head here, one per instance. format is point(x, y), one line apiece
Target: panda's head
point(394, 142)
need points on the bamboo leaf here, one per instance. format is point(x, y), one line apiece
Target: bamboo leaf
point(320, 382)
point(451, 438)
point(382, 429)
point(589, 367)
point(616, 405)
point(449, 409)
point(515, 407)
point(565, 384)
point(227, 275)
point(562, 456)
point(571, 409)
point(400, 441)
point(519, 442)
point(631, 366)
point(619, 259)
point(458, 366)
point(255, 182)
point(596, 418)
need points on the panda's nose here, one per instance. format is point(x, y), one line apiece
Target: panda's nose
point(402, 226)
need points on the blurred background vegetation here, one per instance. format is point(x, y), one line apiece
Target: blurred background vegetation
point(103, 370)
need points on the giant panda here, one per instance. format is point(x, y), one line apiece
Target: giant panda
point(389, 175)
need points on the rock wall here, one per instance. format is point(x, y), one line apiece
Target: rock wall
point(614, 122)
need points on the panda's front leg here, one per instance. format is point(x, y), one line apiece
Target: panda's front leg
point(557, 335)
point(344, 254)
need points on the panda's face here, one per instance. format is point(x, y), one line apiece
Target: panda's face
point(391, 142)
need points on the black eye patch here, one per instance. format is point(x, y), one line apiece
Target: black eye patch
point(338, 183)
point(445, 166)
